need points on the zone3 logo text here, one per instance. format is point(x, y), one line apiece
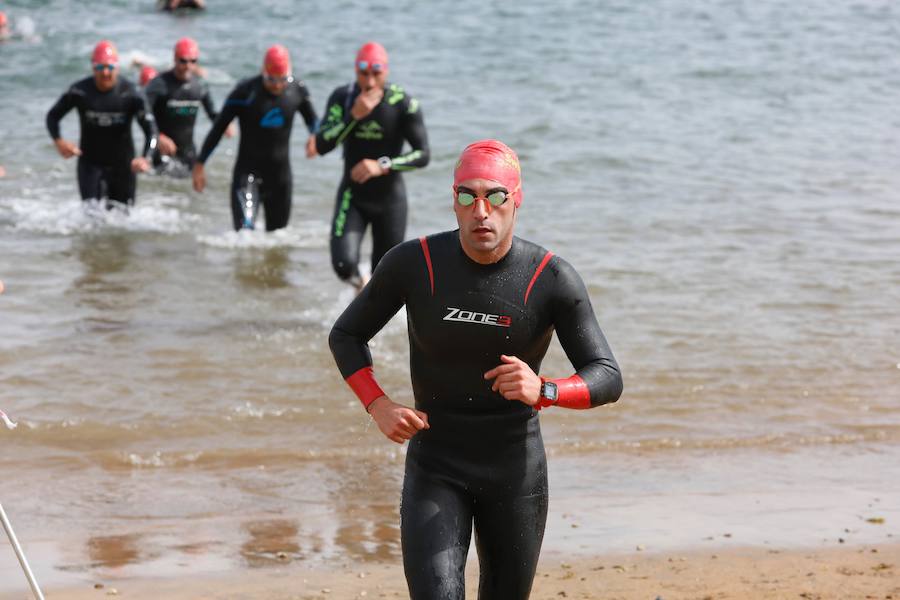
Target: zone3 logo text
point(468, 316)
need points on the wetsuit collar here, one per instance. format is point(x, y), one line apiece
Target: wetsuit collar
point(498, 263)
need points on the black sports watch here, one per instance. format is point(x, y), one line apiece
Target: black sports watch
point(549, 391)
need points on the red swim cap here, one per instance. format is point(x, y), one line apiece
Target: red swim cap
point(3, 21)
point(372, 53)
point(490, 159)
point(147, 73)
point(105, 53)
point(277, 62)
point(186, 48)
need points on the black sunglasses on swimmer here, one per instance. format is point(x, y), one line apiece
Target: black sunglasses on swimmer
point(479, 318)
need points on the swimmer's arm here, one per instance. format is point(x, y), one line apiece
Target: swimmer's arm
point(597, 379)
point(415, 133)
point(232, 105)
point(148, 125)
point(336, 123)
point(367, 315)
point(308, 111)
point(154, 89)
point(208, 105)
point(362, 319)
point(65, 103)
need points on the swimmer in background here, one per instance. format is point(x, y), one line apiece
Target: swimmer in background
point(175, 97)
point(371, 119)
point(5, 30)
point(265, 106)
point(147, 75)
point(172, 5)
point(106, 104)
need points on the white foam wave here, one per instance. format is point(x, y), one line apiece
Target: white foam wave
point(250, 410)
point(157, 459)
point(304, 234)
point(26, 28)
point(151, 214)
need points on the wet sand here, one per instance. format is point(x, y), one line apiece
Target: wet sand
point(844, 572)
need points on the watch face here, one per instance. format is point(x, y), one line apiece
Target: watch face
point(549, 392)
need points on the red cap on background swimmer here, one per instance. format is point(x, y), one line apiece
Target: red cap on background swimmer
point(372, 54)
point(277, 62)
point(147, 74)
point(105, 53)
point(187, 48)
point(3, 21)
point(490, 159)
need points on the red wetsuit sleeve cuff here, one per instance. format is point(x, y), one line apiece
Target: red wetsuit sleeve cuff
point(572, 392)
point(364, 386)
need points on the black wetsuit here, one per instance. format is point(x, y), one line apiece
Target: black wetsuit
point(107, 147)
point(381, 201)
point(264, 150)
point(175, 104)
point(482, 459)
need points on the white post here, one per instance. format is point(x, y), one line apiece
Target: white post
point(20, 555)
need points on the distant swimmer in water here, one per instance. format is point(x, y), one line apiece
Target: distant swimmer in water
point(5, 31)
point(107, 104)
point(265, 106)
point(175, 97)
point(177, 4)
point(147, 75)
point(481, 307)
point(372, 119)
point(24, 29)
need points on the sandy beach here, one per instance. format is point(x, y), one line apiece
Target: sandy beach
point(860, 572)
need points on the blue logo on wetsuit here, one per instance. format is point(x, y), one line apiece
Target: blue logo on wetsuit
point(273, 118)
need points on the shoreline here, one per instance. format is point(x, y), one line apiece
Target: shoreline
point(868, 571)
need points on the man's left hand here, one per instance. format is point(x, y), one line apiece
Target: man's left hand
point(365, 170)
point(140, 165)
point(514, 380)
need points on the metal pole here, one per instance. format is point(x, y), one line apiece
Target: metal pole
point(20, 555)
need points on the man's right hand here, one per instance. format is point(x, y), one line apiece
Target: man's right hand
point(399, 423)
point(198, 174)
point(66, 148)
point(167, 147)
point(365, 102)
point(311, 149)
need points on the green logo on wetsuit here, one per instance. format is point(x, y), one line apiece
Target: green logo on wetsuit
point(341, 219)
point(369, 131)
point(396, 94)
point(334, 123)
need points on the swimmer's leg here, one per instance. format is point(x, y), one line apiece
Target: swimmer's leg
point(435, 531)
point(508, 536)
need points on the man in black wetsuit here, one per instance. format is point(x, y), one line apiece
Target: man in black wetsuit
point(265, 106)
point(372, 119)
point(106, 105)
point(175, 97)
point(481, 309)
